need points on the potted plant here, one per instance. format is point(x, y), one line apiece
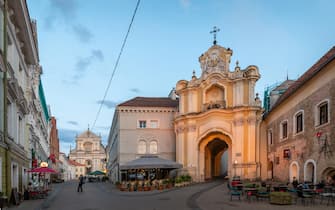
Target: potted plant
point(154, 184)
point(187, 179)
point(147, 185)
point(178, 181)
point(124, 186)
point(118, 185)
point(132, 186)
point(168, 183)
point(140, 185)
point(160, 184)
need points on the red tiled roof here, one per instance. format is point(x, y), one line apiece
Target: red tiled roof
point(309, 74)
point(72, 162)
point(150, 102)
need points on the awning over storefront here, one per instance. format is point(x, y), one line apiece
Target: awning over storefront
point(147, 162)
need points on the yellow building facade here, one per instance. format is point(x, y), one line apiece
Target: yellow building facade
point(218, 123)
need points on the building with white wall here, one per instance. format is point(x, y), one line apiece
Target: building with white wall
point(141, 126)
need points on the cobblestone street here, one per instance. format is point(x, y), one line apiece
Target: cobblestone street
point(100, 196)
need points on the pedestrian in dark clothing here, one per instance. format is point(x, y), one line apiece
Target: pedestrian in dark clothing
point(295, 182)
point(80, 184)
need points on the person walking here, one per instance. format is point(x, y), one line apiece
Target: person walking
point(295, 182)
point(80, 184)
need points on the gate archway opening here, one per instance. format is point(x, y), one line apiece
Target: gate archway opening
point(328, 175)
point(216, 163)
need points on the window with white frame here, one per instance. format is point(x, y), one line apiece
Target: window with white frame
point(283, 130)
point(15, 175)
point(20, 130)
point(153, 147)
point(322, 113)
point(24, 177)
point(153, 123)
point(298, 122)
point(142, 147)
point(270, 137)
point(11, 119)
point(142, 123)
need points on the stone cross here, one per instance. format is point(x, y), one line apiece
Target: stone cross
point(215, 30)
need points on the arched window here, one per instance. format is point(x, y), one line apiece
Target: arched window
point(142, 147)
point(153, 147)
point(310, 171)
point(322, 113)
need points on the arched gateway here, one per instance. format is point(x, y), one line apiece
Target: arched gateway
point(217, 126)
point(211, 149)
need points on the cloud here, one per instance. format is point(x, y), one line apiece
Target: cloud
point(98, 54)
point(49, 22)
point(83, 63)
point(67, 135)
point(185, 3)
point(135, 90)
point(65, 11)
point(84, 35)
point(72, 122)
point(108, 104)
point(67, 8)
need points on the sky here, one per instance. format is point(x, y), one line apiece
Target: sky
point(79, 42)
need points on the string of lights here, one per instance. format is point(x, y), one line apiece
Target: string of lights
point(115, 66)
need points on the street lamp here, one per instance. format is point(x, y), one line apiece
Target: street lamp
point(235, 164)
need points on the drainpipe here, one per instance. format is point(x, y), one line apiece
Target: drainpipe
point(5, 119)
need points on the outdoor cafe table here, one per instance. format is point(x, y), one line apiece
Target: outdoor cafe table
point(280, 188)
point(250, 192)
point(239, 186)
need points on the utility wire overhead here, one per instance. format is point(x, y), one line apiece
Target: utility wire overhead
point(116, 65)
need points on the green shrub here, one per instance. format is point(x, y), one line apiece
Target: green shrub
point(280, 198)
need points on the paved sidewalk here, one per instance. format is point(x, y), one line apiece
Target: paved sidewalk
point(218, 198)
point(37, 204)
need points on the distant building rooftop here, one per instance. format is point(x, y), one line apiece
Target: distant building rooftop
point(74, 163)
point(309, 74)
point(150, 102)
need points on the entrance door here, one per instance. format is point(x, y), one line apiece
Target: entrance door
point(216, 164)
point(309, 172)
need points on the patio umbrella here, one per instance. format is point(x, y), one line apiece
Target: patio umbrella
point(97, 172)
point(42, 170)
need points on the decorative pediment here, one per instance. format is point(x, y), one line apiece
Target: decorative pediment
point(216, 59)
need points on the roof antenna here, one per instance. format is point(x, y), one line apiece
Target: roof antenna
point(286, 74)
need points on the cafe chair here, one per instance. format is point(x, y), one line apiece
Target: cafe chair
point(234, 192)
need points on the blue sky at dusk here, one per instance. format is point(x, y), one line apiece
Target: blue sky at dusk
point(79, 41)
